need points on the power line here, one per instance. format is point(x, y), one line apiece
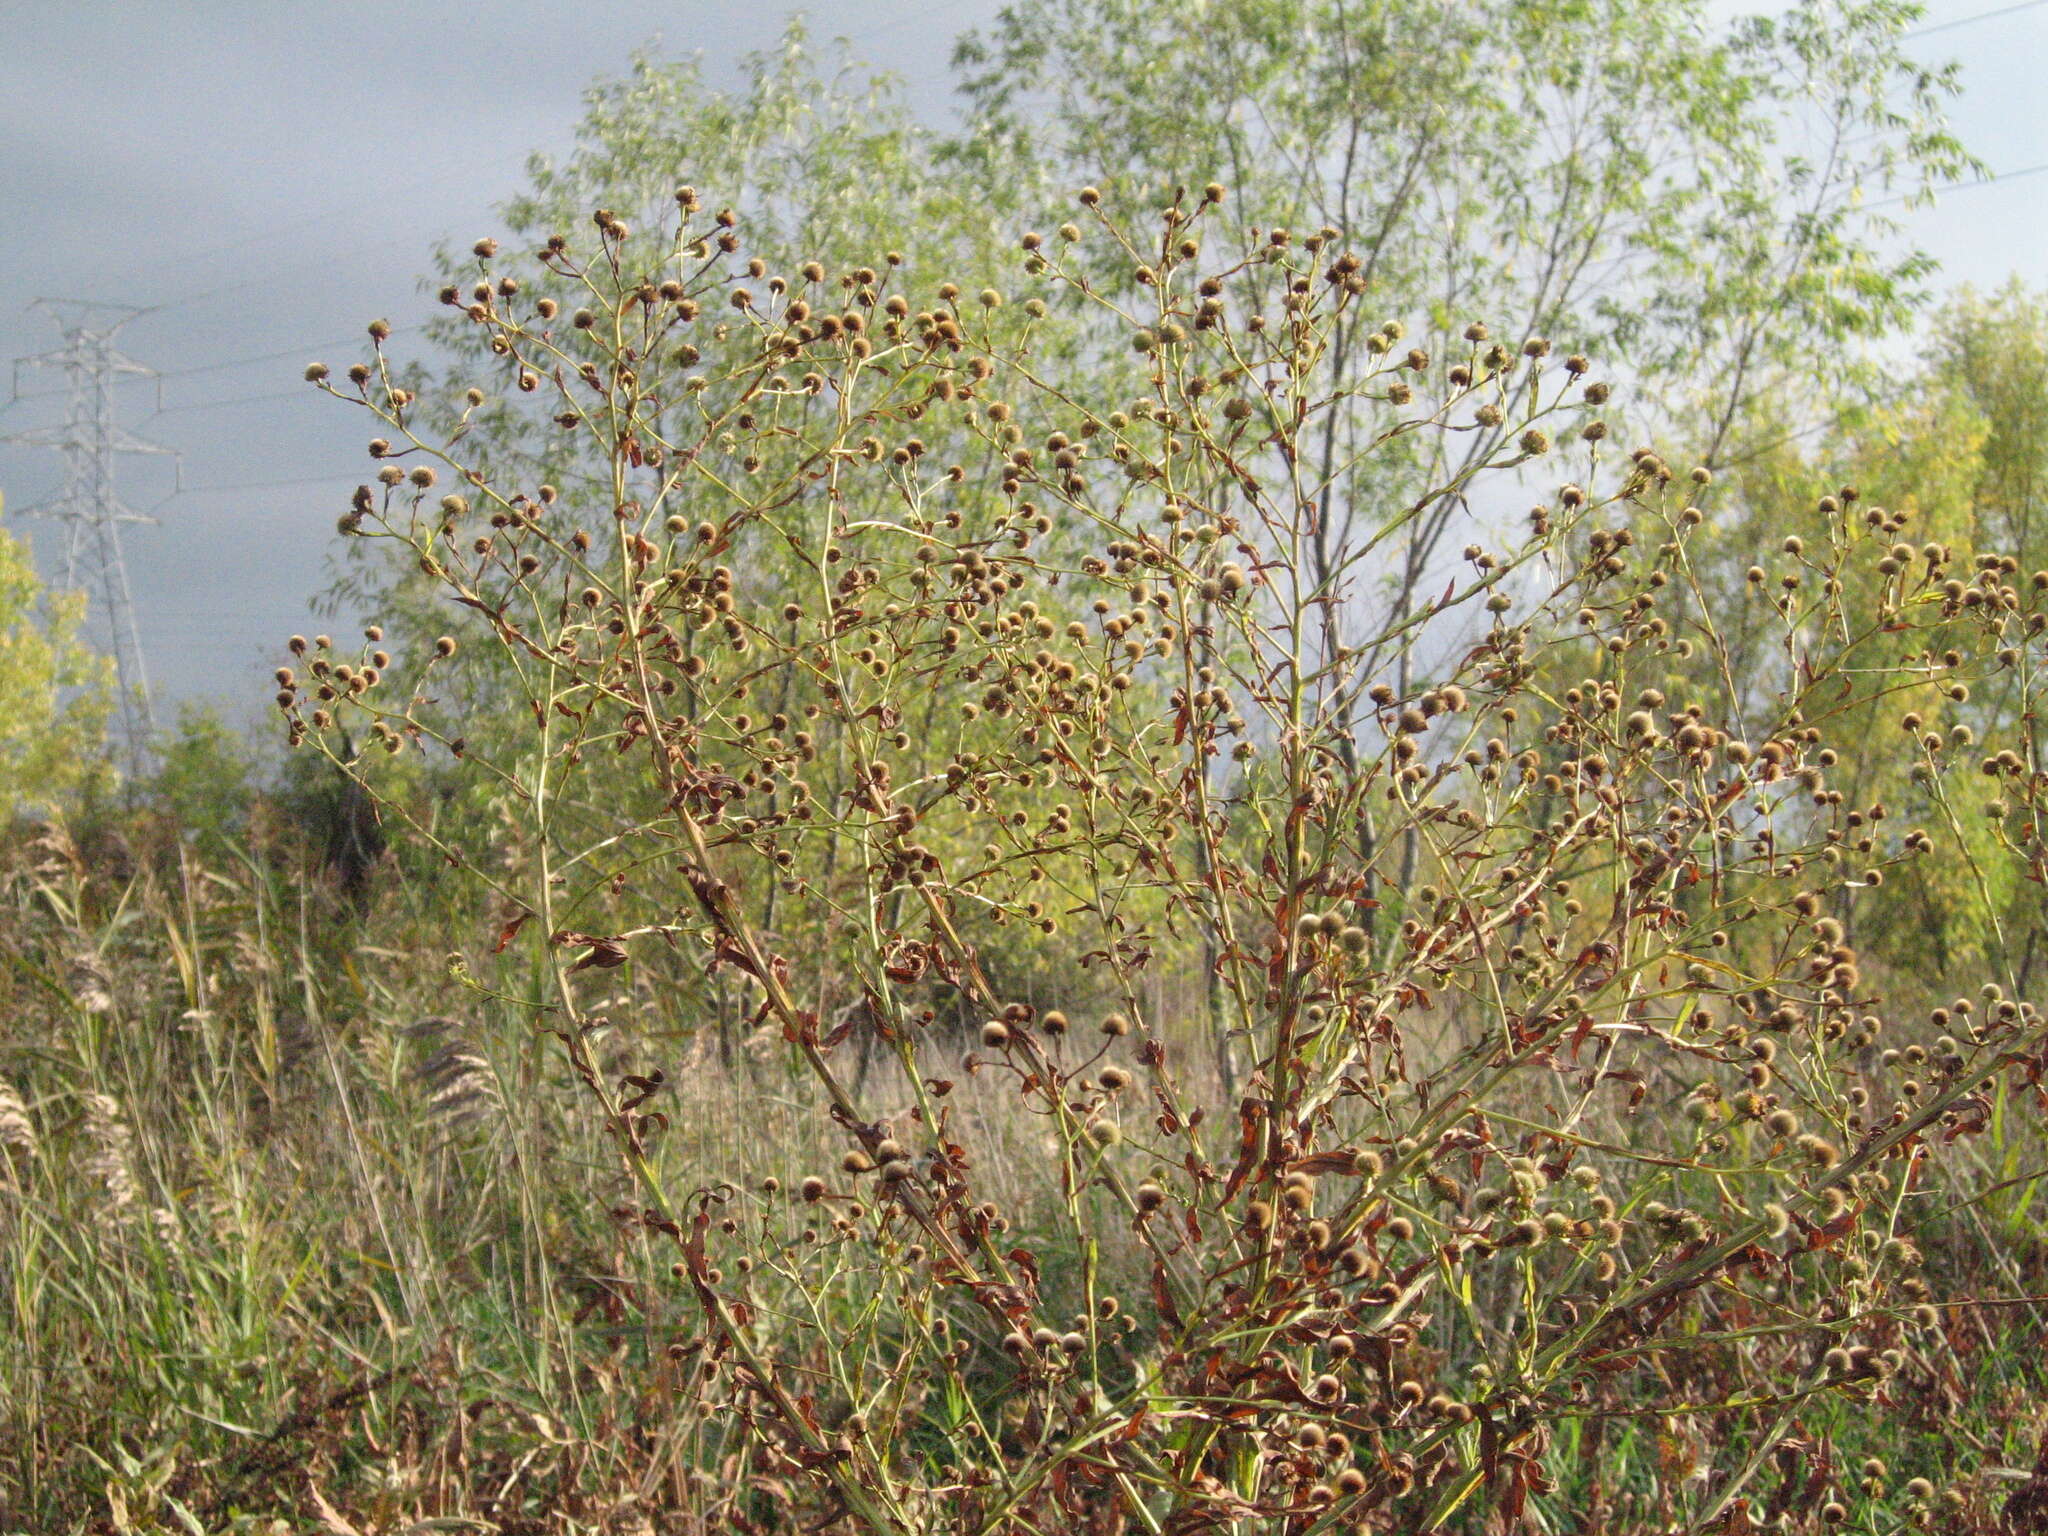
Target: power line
point(1965, 21)
point(186, 301)
point(255, 485)
point(1964, 186)
point(301, 351)
point(296, 226)
point(221, 405)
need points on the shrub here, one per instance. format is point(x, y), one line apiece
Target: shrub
point(1463, 1051)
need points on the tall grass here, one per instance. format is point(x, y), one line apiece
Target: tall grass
point(283, 1209)
point(365, 1253)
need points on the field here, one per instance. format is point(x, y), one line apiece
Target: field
point(983, 839)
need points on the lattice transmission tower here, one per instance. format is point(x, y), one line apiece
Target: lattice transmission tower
point(88, 508)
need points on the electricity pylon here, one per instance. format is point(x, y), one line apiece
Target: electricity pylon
point(88, 507)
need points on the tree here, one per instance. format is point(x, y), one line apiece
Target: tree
point(1693, 209)
point(1611, 178)
point(1691, 205)
point(835, 176)
point(823, 153)
point(55, 695)
point(1949, 461)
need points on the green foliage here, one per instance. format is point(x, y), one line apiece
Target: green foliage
point(1611, 176)
point(831, 167)
point(206, 774)
point(1686, 201)
point(55, 695)
point(1951, 458)
point(834, 173)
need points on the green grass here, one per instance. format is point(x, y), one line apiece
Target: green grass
point(349, 1272)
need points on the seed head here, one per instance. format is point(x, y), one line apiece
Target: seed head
point(1817, 1151)
point(17, 1130)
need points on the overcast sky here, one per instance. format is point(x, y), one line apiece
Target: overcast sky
point(271, 174)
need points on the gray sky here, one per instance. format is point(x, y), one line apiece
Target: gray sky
point(273, 174)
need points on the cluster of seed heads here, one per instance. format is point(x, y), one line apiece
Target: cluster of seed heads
point(855, 646)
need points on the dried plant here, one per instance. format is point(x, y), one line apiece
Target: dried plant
point(455, 1078)
point(109, 1151)
point(90, 983)
point(17, 1130)
point(1464, 1047)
